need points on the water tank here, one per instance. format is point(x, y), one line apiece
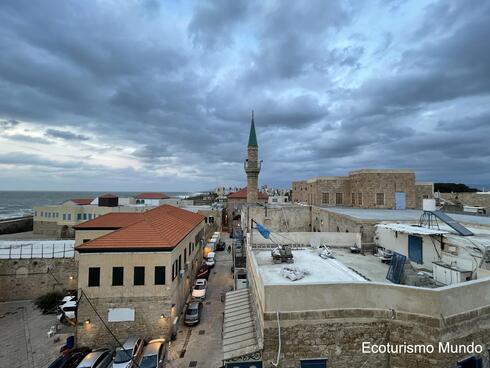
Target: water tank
point(108, 200)
point(429, 205)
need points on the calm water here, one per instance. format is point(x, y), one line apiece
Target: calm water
point(19, 203)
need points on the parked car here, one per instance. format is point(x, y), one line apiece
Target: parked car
point(203, 272)
point(153, 355)
point(68, 311)
point(68, 298)
point(211, 259)
point(220, 246)
point(70, 359)
point(126, 356)
point(193, 313)
point(200, 288)
point(100, 358)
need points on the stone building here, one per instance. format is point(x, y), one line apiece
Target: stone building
point(461, 199)
point(367, 188)
point(346, 303)
point(137, 270)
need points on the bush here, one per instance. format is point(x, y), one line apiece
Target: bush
point(47, 303)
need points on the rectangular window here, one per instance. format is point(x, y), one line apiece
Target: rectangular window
point(180, 262)
point(139, 275)
point(64, 217)
point(117, 276)
point(205, 220)
point(325, 198)
point(185, 255)
point(338, 198)
point(380, 199)
point(359, 199)
point(159, 275)
point(86, 240)
point(353, 198)
point(425, 196)
point(93, 276)
point(211, 220)
point(174, 270)
point(42, 214)
point(190, 249)
point(84, 216)
point(79, 216)
point(90, 216)
point(68, 217)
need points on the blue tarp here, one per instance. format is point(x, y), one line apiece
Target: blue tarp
point(263, 231)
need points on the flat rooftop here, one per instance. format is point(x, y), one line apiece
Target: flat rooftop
point(319, 270)
point(400, 215)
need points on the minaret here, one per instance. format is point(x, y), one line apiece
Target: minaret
point(252, 165)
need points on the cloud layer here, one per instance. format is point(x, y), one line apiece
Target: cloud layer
point(155, 95)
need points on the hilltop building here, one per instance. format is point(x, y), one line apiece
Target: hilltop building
point(137, 270)
point(366, 188)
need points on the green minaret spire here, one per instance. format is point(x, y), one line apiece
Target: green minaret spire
point(252, 139)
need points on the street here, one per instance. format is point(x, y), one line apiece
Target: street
point(201, 346)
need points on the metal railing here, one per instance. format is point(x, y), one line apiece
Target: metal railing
point(37, 250)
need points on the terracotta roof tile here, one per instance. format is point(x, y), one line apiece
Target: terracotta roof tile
point(82, 201)
point(162, 227)
point(242, 194)
point(152, 196)
point(113, 220)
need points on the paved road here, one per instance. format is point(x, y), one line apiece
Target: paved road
point(201, 345)
point(24, 342)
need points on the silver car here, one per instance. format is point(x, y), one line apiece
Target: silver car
point(129, 354)
point(153, 355)
point(100, 358)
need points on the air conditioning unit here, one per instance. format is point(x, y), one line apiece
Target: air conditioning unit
point(182, 273)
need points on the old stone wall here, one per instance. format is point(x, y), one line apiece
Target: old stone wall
point(332, 186)
point(17, 225)
point(469, 199)
point(423, 191)
point(299, 192)
point(22, 279)
point(148, 322)
point(369, 183)
point(338, 336)
point(50, 228)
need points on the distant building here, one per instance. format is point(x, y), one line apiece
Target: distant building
point(367, 188)
point(58, 220)
point(137, 270)
point(152, 199)
point(235, 203)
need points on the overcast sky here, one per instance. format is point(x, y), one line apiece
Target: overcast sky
point(150, 95)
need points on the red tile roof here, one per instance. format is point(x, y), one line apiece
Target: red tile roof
point(152, 196)
point(113, 220)
point(242, 194)
point(163, 227)
point(82, 201)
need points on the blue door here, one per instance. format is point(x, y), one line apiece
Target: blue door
point(415, 249)
point(400, 203)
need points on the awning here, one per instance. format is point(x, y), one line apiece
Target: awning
point(239, 333)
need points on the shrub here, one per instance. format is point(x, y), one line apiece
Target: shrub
point(47, 303)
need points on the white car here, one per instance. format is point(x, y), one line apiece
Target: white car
point(200, 287)
point(68, 310)
point(211, 259)
point(129, 354)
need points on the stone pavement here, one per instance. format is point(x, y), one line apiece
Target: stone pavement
point(23, 336)
point(201, 346)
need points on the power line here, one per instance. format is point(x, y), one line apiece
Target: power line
point(105, 325)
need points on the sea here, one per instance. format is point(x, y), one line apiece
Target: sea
point(20, 203)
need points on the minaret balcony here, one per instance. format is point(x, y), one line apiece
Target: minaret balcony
point(252, 166)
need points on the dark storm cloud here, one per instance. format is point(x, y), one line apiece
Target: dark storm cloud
point(63, 134)
point(174, 84)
